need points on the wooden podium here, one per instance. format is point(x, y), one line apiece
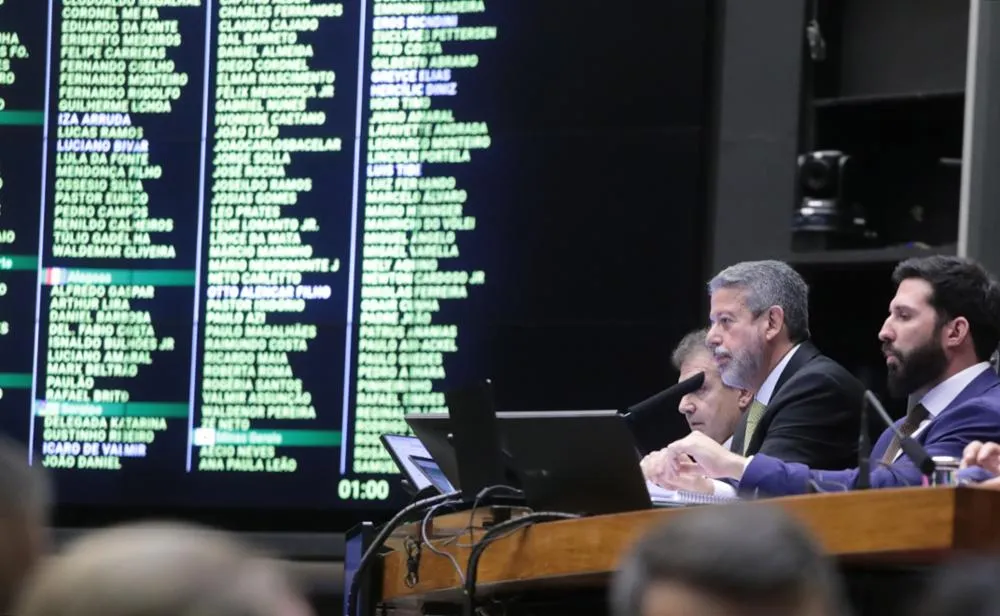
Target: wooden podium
point(886, 528)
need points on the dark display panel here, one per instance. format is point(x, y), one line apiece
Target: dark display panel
point(239, 238)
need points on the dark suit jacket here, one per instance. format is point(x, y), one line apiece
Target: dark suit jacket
point(814, 416)
point(973, 415)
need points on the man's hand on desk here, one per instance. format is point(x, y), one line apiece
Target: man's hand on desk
point(673, 467)
point(983, 455)
point(981, 465)
point(691, 478)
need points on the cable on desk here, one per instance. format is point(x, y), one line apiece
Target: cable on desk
point(430, 546)
point(480, 498)
point(500, 530)
point(380, 539)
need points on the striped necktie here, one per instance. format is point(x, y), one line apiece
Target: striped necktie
point(753, 418)
point(914, 417)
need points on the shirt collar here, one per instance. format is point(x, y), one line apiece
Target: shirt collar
point(729, 443)
point(945, 392)
point(766, 390)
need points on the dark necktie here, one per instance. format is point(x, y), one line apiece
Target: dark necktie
point(914, 417)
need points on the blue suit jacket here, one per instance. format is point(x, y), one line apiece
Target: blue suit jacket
point(973, 415)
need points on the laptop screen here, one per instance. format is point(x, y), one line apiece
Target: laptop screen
point(416, 462)
point(433, 473)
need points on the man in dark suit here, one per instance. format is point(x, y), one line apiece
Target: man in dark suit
point(813, 415)
point(806, 407)
point(943, 325)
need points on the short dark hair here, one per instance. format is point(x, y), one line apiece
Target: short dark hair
point(689, 345)
point(750, 554)
point(964, 588)
point(960, 288)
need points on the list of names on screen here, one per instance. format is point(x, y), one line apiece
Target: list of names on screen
point(245, 220)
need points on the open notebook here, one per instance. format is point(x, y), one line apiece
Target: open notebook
point(662, 497)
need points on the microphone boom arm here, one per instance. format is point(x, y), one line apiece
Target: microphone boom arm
point(913, 450)
point(864, 479)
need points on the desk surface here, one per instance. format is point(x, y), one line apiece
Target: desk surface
point(900, 526)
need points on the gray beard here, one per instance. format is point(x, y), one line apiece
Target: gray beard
point(741, 370)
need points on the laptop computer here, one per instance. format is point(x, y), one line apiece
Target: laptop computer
point(594, 470)
point(416, 463)
point(435, 432)
point(430, 469)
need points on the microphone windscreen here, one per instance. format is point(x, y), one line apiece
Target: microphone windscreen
point(670, 396)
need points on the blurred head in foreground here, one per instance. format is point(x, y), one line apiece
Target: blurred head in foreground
point(727, 560)
point(159, 569)
point(25, 501)
point(962, 588)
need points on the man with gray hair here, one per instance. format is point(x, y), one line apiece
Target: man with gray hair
point(715, 408)
point(807, 407)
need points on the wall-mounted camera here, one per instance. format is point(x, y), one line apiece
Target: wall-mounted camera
point(828, 217)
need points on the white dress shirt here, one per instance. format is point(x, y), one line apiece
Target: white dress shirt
point(763, 395)
point(766, 390)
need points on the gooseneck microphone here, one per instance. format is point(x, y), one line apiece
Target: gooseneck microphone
point(648, 421)
point(864, 478)
point(913, 450)
point(655, 402)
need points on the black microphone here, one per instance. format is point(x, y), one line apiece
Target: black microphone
point(864, 478)
point(656, 401)
point(648, 420)
point(913, 450)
